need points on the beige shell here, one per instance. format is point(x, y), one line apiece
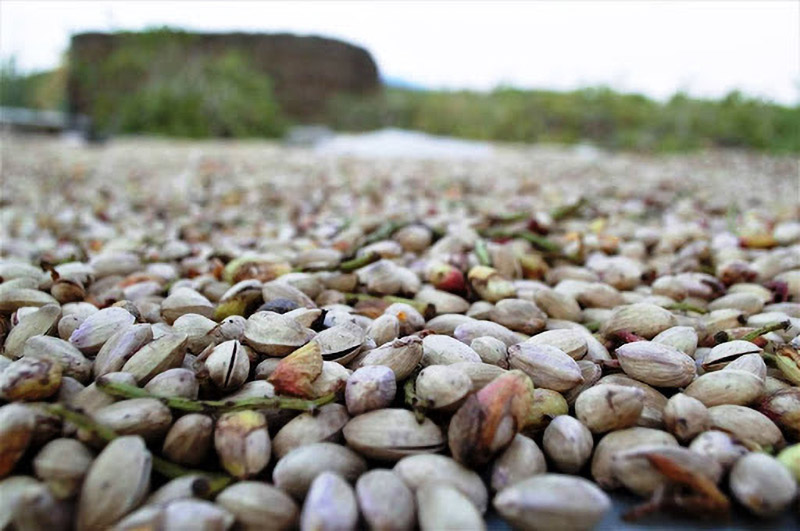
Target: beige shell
point(746, 424)
point(682, 338)
point(729, 386)
point(442, 301)
point(274, 334)
point(570, 342)
point(491, 351)
point(568, 443)
point(557, 305)
point(166, 352)
point(385, 501)
point(418, 470)
point(727, 352)
point(62, 464)
point(518, 315)
point(642, 319)
point(634, 471)
point(189, 439)
point(656, 364)
point(341, 343)
point(146, 417)
point(73, 363)
point(654, 401)
point(546, 365)
point(685, 417)
point(330, 504)
point(720, 446)
point(591, 373)
point(762, 484)
point(401, 355)
point(391, 434)
point(444, 350)
point(474, 328)
point(383, 329)
point(325, 425)
point(256, 503)
point(442, 387)
point(621, 440)
point(40, 323)
point(185, 300)
point(520, 460)
point(116, 483)
point(228, 365)
point(120, 347)
point(553, 501)
point(174, 382)
point(479, 373)
point(607, 407)
point(442, 506)
point(98, 328)
point(294, 472)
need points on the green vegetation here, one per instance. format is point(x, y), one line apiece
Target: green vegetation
point(178, 92)
point(597, 115)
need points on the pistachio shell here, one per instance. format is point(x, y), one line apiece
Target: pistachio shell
point(385, 501)
point(390, 434)
point(294, 472)
point(762, 484)
point(546, 365)
point(257, 505)
point(419, 470)
point(521, 460)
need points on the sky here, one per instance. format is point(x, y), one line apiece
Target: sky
point(652, 47)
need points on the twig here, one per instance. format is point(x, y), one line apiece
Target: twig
point(216, 482)
point(212, 406)
point(723, 337)
point(565, 211)
point(417, 404)
point(482, 252)
point(540, 242)
point(358, 262)
point(685, 307)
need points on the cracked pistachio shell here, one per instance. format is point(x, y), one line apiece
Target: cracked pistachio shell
point(228, 365)
point(401, 355)
point(166, 352)
point(117, 482)
point(73, 363)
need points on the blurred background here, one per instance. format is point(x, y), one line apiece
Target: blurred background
point(644, 76)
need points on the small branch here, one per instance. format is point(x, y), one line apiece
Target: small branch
point(509, 218)
point(383, 232)
point(685, 307)
point(482, 253)
point(419, 306)
point(358, 262)
point(540, 242)
point(766, 329)
point(214, 406)
point(568, 210)
point(166, 468)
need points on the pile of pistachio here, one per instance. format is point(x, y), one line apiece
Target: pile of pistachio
point(396, 372)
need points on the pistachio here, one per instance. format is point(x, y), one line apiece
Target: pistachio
point(166, 352)
point(174, 383)
point(783, 407)
point(521, 460)
point(726, 387)
point(547, 405)
point(519, 315)
point(257, 505)
point(390, 434)
point(568, 443)
point(442, 506)
point(469, 330)
point(189, 439)
point(62, 464)
point(553, 501)
point(547, 366)
point(295, 471)
point(621, 440)
point(369, 388)
point(117, 482)
point(653, 404)
point(401, 356)
point(242, 443)
point(607, 407)
point(489, 284)
point(790, 458)
point(274, 334)
point(442, 387)
point(685, 417)
point(383, 329)
point(762, 484)
point(419, 470)
point(228, 365)
point(146, 417)
point(720, 446)
point(656, 364)
point(30, 379)
point(444, 350)
point(330, 505)
point(634, 470)
point(746, 424)
point(570, 342)
point(72, 362)
point(324, 425)
point(40, 323)
point(98, 328)
point(16, 433)
point(491, 350)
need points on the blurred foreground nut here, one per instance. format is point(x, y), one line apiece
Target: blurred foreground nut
point(489, 284)
point(330, 505)
point(295, 471)
point(489, 419)
point(443, 507)
point(62, 464)
point(419, 470)
point(608, 407)
point(635, 471)
point(257, 505)
point(16, 431)
point(762, 484)
point(521, 460)
point(547, 405)
point(30, 379)
point(189, 439)
point(369, 388)
point(385, 501)
point(568, 443)
point(116, 483)
point(553, 501)
point(242, 443)
point(783, 408)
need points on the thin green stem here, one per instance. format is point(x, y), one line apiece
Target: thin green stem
point(166, 468)
point(214, 406)
point(538, 241)
point(766, 329)
point(482, 252)
point(565, 211)
point(356, 263)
